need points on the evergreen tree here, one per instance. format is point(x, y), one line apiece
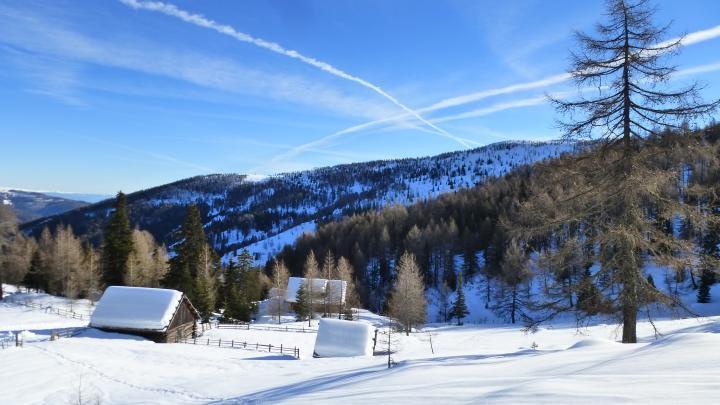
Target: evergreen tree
point(707, 279)
point(711, 248)
point(117, 244)
point(589, 299)
point(302, 305)
point(34, 278)
point(190, 255)
point(459, 310)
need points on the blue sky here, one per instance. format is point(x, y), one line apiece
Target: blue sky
point(100, 96)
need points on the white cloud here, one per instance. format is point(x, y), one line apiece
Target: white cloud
point(202, 21)
point(43, 49)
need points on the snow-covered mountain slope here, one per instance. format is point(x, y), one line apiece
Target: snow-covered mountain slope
point(29, 205)
point(265, 214)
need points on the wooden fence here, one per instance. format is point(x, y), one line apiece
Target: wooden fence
point(283, 328)
point(17, 341)
point(244, 326)
point(49, 309)
point(235, 344)
point(7, 342)
point(248, 326)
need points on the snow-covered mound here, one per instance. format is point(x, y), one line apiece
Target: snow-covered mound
point(338, 338)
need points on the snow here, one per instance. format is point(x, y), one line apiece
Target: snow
point(491, 363)
point(136, 308)
point(338, 338)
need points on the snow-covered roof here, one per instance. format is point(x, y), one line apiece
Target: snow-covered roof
point(149, 309)
point(336, 290)
point(337, 338)
point(294, 284)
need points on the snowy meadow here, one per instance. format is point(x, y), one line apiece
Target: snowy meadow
point(478, 363)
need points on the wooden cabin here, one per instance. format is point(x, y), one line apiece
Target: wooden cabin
point(157, 314)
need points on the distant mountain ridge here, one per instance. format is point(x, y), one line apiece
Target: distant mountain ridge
point(264, 215)
point(30, 205)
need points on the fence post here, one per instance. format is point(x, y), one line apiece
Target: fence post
point(208, 343)
point(232, 343)
point(219, 342)
point(269, 348)
point(257, 346)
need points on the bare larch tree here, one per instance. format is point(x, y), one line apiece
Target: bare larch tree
point(613, 195)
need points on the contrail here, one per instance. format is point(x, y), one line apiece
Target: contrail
point(199, 20)
point(689, 39)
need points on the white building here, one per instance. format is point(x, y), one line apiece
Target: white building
point(333, 291)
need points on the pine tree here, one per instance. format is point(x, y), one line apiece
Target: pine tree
point(117, 244)
point(588, 296)
point(34, 278)
point(711, 248)
point(302, 305)
point(191, 256)
point(707, 279)
point(459, 310)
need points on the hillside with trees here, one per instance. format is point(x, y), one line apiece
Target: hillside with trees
point(263, 216)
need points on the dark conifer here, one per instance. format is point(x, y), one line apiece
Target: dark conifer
point(707, 279)
point(302, 305)
point(118, 244)
point(459, 309)
point(189, 255)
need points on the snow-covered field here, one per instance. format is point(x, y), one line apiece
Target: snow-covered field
point(468, 364)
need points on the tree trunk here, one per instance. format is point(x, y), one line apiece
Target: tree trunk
point(629, 323)
point(513, 304)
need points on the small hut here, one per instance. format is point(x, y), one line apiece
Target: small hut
point(157, 314)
